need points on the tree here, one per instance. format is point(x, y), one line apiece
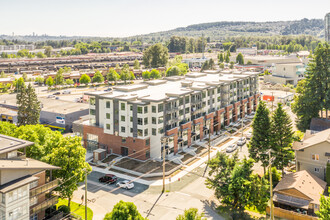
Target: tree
point(125, 73)
point(59, 80)
point(19, 84)
point(227, 60)
point(221, 58)
point(249, 62)
point(173, 71)
point(40, 55)
point(7, 128)
point(113, 75)
point(28, 106)
point(48, 51)
point(39, 80)
point(136, 64)
point(69, 82)
point(211, 64)
point(24, 76)
point(98, 77)
point(234, 184)
point(154, 74)
point(222, 66)
point(313, 95)
point(240, 59)
point(191, 214)
point(324, 212)
point(276, 176)
point(85, 79)
point(132, 76)
point(155, 56)
point(146, 74)
point(122, 211)
point(231, 66)
point(260, 141)
point(3, 75)
point(281, 138)
point(49, 81)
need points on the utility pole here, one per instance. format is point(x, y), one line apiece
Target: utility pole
point(164, 143)
point(86, 194)
point(209, 156)
point(271, 188)
point(272, 101)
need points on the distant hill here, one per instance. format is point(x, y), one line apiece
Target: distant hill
point(218, 30)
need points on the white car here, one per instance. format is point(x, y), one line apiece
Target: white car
point(126, 184)
point(249, 135)
point(241, 141)
point(231, 148)
point(50, 96)
point(66, 92)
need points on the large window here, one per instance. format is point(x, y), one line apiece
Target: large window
point(146, 109)
point(139, 110)
point(154, 131)
point(18, 212)
point(122, 129)
point(145, 121)
point(153, 120)
point(140, 121)
point(17, 194)
point(122, 118)
point(146, 132)
point(107, 104)
point(108, 126)
point(139, 132)
point(107, 115)
point(122, 106)
point(315, 157)
point(153, 109)
point(160, 107)
point(187, 99)
point(92, 111)
point(92, 142)
point(160, 120)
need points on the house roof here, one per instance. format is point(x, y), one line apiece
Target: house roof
point(25, 164)
point(310, 140)
point(304, 182)
point(8, 144)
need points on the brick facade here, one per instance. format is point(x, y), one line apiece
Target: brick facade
point(201, 121)
point(188, 127)
point(244, 103)
point(227, 113)
point(42, 197)
point(136, 147)
point(218, 119)
point(174, 133)
point(235, 110)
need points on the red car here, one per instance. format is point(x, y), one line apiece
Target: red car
point(108, 178)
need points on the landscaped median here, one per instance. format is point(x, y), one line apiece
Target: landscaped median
point(78, 211)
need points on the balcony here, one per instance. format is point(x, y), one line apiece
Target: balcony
point(44, 188)
point(172, 109)
point(194, 101)
point(44, 205)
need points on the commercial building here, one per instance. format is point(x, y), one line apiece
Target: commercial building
point(327, 27)
point(16, 47)
point(286, 73)
point(247, 51)
point(133, 119)
point(269, 61)
point(195, 62)
point(313, 153)
point(25, 189)
point(8, 115)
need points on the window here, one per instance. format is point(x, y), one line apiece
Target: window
point(187, 99)
point(122, 118)
point(160, 120)
point(147, 142)
point(139, 109)
point(131, 130)
point(131, 107)
point(153, 120)
point(160, 107)
point(315, 157)
point(33, 200)
point(147, 154)
point(122, 129)
point(181, 112)
point(3, 198)
point(92, 101)
point(107, 115)
point(17, 194)
point(122, 106)
point(146, 109)
point(187, 110)
point(204, 94)
point(154, 131)
point(107, 104)
point(92, 111)
point(316, 170)
point(108, 126)
point(153, 109)
point(219, 90)
point(131, 119)
point(139, 121)
point(160, 130)
point(139, 132)
point(181, 101)
point(145, 121)
point(146, 132)
point(123, 140)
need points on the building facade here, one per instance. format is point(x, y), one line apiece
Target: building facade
point(327, 27)
point(247, 51)
point(131, 120)
point(25, 190)
point(286, 73)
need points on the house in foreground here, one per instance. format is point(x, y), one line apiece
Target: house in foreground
point(25, 190)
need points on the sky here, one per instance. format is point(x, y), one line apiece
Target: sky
point(121, 18)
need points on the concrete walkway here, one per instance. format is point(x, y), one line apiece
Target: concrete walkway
point(187, 169)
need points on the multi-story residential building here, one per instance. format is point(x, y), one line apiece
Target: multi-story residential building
point(132, 119)
point(313, 153)
point(25, 191)
point(327, 27)
point(286, 73)
point(247, 51)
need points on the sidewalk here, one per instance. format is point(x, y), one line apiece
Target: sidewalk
point(188, 169)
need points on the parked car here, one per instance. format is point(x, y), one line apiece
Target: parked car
point(249, 135)
point(241, 141)
point(231, 148)
point(108, 178)
point(50, 96)
point(66, 92)
point(108, 90)
point(57, 97)
point(125, 184)
point(57, 93)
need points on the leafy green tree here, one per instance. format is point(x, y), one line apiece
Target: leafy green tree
point(173, 71)
point(23, 53)
point(85, 79)
point(24, 76)
point(49, 81)
point(48, 51)
point(98, 77)
point(328, 174)
point(39, 80)
point(249, 62)
point(132, 76)
point(260, 141)
point(41, 55)
point(136, 64)
point(276, 176)
point(154, 74)
point(240, 59)
point(211, 64)
point(281, 138)
point(7, 128)
point(235, 185)
point(59, 80)
point(155, 56)
point(146, 74)
point(125, 73)
point(231, 66)
point(222, 65)
point(28, 106)
point(122, 211)
point(191, 214)
point(3, 75)
point(324, 212)
point(19, 84)
point(69, 82)
point(113, 75)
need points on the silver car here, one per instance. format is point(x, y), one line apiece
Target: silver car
point(231, 148)
point(241, 141)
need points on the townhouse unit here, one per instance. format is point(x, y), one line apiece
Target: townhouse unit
point(134, 119)
point(285, 73)
point(25, 190)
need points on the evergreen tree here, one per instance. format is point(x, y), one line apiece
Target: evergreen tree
point(136, 64)
point(227, 60)
point(59, 80)
point(240, 59)
point(221, 58)
point(260, 141)
point(155, 56)
point(281, 138)
point(28, 106)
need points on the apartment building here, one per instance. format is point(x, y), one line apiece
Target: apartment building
point(25, 190)
point(133, 119)
point(286, 73)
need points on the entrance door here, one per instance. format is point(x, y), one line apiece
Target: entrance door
point(124, 151)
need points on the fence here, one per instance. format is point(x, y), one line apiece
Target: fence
point(290, 215)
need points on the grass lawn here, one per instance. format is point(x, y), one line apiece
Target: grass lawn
point(76, 208)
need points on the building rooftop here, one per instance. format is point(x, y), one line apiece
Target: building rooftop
point(17, 183)
point(8, 111)
point(304, 182)
point(159, 90)
point(312, 139)
point(8, 144)
point(25, 164)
